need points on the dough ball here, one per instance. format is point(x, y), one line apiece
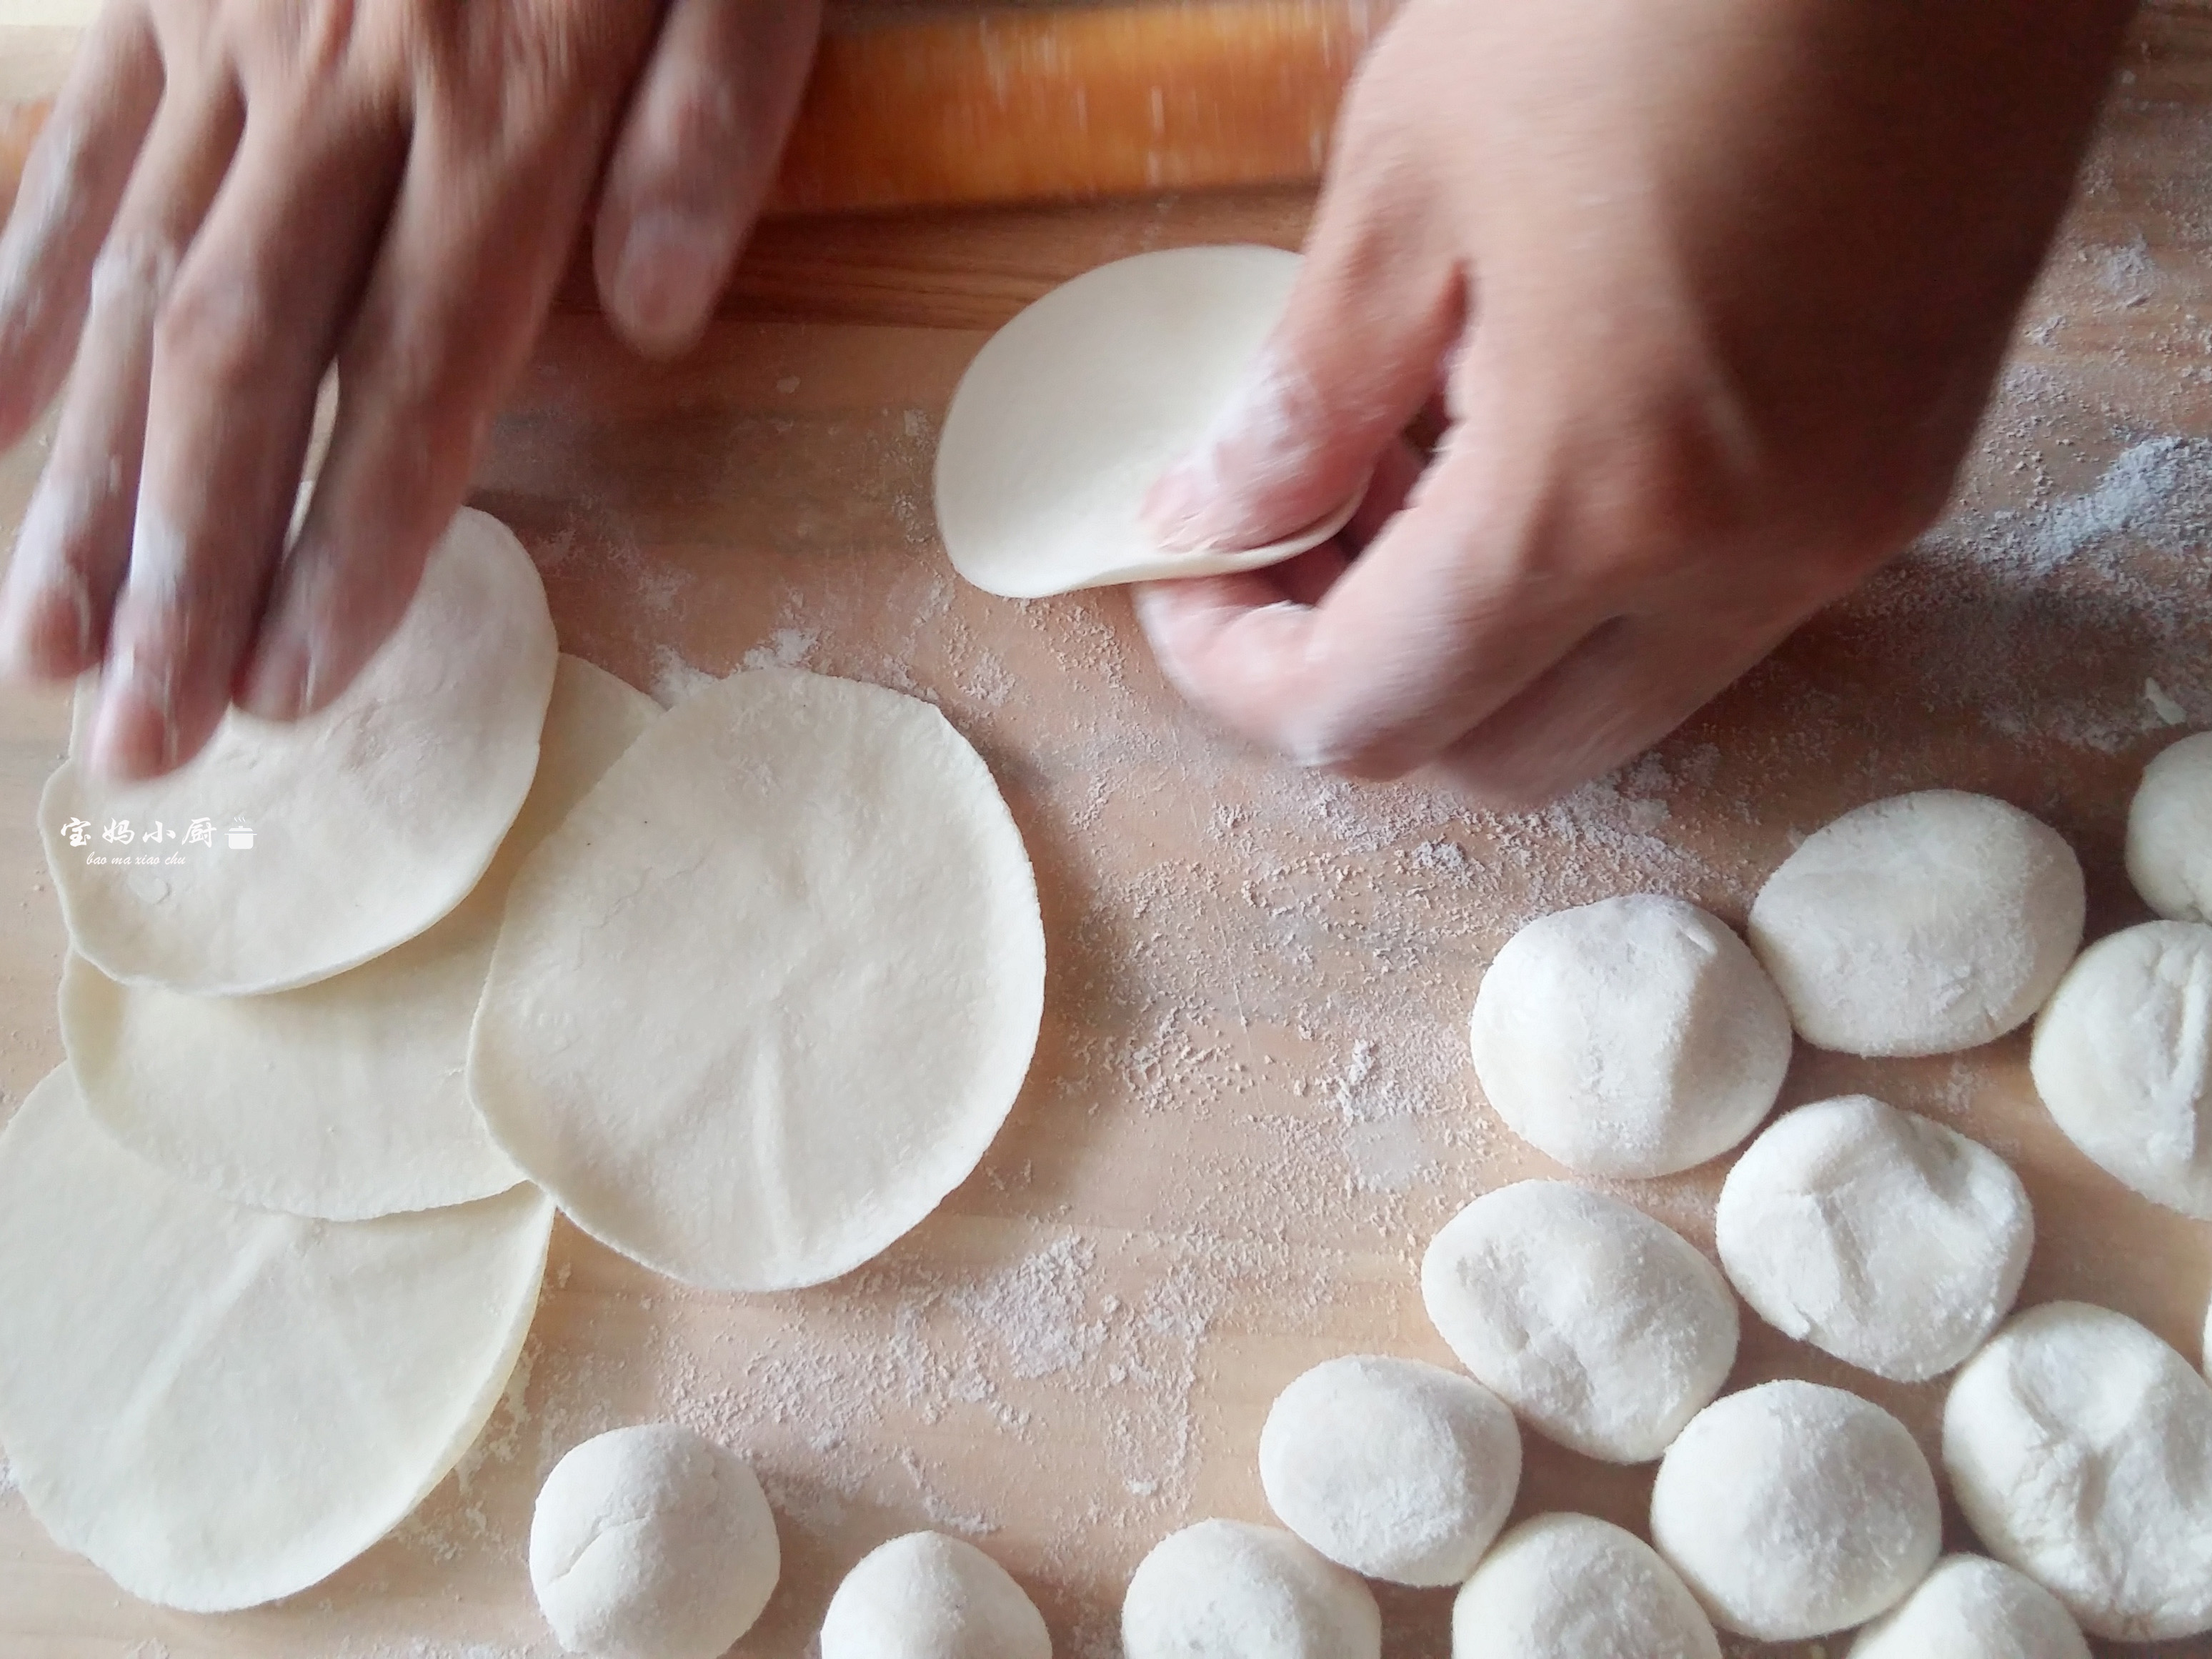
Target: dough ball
point(1972, 1608)
point(1602, 1329)
point(2170, 832)
point(1874, 1234)
point(1636, 1037)
point(1920, 925)
point(2079, 1448)
point(652, 1543)
point(1223, 1589)
point(2123, 1058)
point(1391, 1467)
point(1574, 1587)
point(1793, 1509)
point(927, 1596)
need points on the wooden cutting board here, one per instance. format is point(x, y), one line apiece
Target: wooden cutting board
point(1251, 1108)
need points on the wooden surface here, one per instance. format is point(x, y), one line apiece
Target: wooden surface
point(1251, 1108)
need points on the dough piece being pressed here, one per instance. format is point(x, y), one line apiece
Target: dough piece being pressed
point(1920, 925)
point(1875, 1235)
point(765, 997)
point(2079, 1448)
point(2170, 831)
point(928, 1596)
point(1573, 1587)
point(1225, 1589)
point(1635, 1037)
point(652, 1542)
point(2123, 1059)
point(1792, 1510)
point(1970, 1607)
point(1394, 1468)
point(345, 1099)
point(1603, 1329)
point(219, 1406)
point(1069, 412)
point(332, 839)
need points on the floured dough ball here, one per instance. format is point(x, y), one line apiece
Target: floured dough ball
point(1972, 1608)
point(1793, 1509)
point(1603, 1329)
point(2123, 1058)
point(1636, 1037)
point(1391, 1467)
point(2079, 1447)
point(652, 1543)
point(1225, 1589)
point(928, 1596)
point(2170, 832)
point(1574, 1587)
point(1920, 925)
point(1875, 1235)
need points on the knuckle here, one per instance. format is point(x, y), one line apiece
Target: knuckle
point(214, 324)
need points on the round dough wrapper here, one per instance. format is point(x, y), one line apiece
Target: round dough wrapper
point(1880, 1238)
point(346, 1099)
point(2122, 1059)
point(1972, 1608)
point(335, 838)
point(1226, 1590)
point(218, 1405)
point(1573, 1587)
point(1792, 1511)
point(767, 995)
point(2079, 1448)
point(1920, 925)
point(1603, 1329)
point(1636, 1037)
point(1071, 411)
point(928, 1596)
point(2170, 831)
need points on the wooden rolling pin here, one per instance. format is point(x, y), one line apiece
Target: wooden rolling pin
point(946, 108)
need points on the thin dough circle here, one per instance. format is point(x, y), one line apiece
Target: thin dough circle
point(767, 994)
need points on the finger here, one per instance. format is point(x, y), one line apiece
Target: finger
point(694, 159)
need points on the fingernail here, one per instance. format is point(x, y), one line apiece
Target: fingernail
point(280, 682)
point(670, 265)
point(136, 735)
point(1175, 510)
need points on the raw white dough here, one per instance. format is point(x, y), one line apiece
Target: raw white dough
point(2170, 831)
point(765, 997)
point(1970, 1607)
point(2079, 1448)
point(1225, 1589)
point(348, 1098)
point(1069, 412)
point(1394, 1468)
point(652, 1542)
point(1875, 1235)
point(1792, 1510)
point(1603, 1329)
point(1635, 1037)
point(219, 1406)
point(928, 1596)
point(1573, 1587)
point(2123, 1059)
point(1920, 925)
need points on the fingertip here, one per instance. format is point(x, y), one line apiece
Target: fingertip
point(278, 684)
point(660, 276)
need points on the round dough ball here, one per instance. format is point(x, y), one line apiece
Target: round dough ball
point(1605, 1330)
point(1972, 1608)
point(652, 1543)
point(1225, 1589)
point(1392, 1468)
point(1875, 1235)
point(928, 1596)
point(1792, 1511)
point(2079, 1448)
point(2170, 832)
point(1635, 1037)
point(1920, 925)
point(1574, 1587)
point(2123, 1058)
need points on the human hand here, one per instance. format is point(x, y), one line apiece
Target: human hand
point(1713, 290)
point(232, 195)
